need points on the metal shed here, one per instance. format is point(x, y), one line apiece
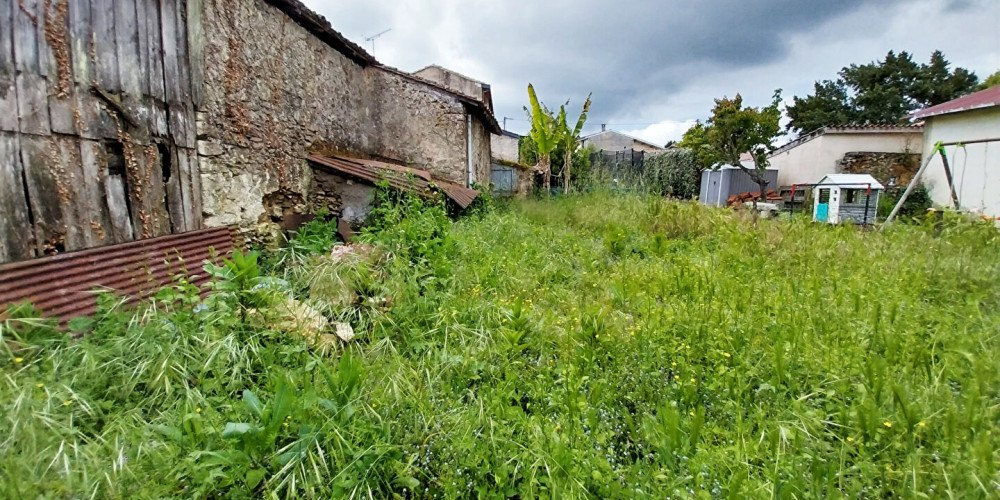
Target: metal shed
point(718, 185)
point(846, 198)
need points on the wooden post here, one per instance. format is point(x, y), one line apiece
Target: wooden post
point(947, 173)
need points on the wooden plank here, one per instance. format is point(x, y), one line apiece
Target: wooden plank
point(46, 60)
point(115, 181)
point(196, 49)
point(171, 71)
point(159, 126)
point(62, 111)
point(7, 37)
point(8, 89)
point(192, 189)
point(80, 39)
point(105, 51)
point(183, 62)
point(46, 193)
point(95, 122)
point(25, 35)
point(16, 242)
point(174, 188)
point(177, 123)
point(154, 46)
point(32, 104)
point(142, 27)
point(64, 167)
point(157, 191)
point(97, 221)
point(127, 45)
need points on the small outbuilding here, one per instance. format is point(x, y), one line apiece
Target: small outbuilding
point(846, 198)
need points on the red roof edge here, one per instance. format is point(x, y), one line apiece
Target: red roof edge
point(983, 99)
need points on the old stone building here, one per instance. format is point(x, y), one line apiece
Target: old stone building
point(280, 83)
point(124, 120)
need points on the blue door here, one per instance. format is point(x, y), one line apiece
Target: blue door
point(823, 205)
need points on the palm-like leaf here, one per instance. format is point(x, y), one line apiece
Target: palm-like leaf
point(542, 126)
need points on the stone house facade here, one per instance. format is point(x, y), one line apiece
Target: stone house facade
point(280, 83)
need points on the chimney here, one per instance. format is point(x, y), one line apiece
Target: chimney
point(604, 127)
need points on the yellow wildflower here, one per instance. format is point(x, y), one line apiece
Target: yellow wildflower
point(726, 354)
point(677, 377)
point(39, 385)
point(922, 424)
point(18, 360)
point(849, 439)
point(197, 410)
point(67, 402)
point(887, 424)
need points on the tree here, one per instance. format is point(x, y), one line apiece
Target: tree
point(990, 81)
point(734, 130)
point(570, 138)
point(885, 91)
point(545, 134)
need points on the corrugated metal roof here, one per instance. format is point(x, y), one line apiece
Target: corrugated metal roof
point(983, 99)
point(398, 176)
point(860, 180)
point(61, 285)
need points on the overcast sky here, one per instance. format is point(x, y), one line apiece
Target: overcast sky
point(655, 66)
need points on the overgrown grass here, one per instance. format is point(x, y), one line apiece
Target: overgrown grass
point(594, 346)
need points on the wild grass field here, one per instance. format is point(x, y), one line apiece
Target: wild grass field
point(599, 346)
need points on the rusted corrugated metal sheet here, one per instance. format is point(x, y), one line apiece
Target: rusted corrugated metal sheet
point(399, 177)
point(61, 285)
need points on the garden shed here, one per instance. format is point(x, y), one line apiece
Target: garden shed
point(846, 198)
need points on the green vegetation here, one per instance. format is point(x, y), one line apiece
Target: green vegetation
point(597, 346)
point(885, 91)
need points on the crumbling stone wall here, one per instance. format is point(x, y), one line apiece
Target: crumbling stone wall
point(882, 166)
point(273, 93)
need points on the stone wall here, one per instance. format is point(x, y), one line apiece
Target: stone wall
point(273, 92)
point(881, 166)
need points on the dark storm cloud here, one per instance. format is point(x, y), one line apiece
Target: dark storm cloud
point(629, 53)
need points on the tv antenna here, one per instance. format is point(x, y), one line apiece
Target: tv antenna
point(373, 37)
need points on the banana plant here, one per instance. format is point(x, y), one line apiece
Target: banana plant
point(545, 133)
point(570, 137)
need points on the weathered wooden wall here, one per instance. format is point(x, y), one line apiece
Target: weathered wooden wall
point(97, 122)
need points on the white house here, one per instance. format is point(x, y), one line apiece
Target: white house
point(969, 129)
point(810, 157)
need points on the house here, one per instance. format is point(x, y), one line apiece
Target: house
point(612, 141)
point(508, 175)
point(890, 153)
point(969, 130)
point(203, 113)
point(851, 198)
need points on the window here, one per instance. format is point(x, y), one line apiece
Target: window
point(850, 195)
point(824, 196)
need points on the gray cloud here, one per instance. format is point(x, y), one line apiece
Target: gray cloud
point(646, 61)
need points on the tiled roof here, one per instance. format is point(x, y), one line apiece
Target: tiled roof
point(876, 128)
point(983, 99)
point(398, 176)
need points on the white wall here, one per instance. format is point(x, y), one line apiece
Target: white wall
point(808, 162)
point(504, 147)
point(976, 169)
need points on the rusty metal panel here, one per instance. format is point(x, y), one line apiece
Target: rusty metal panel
point(61, 285)
point(399, 177)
